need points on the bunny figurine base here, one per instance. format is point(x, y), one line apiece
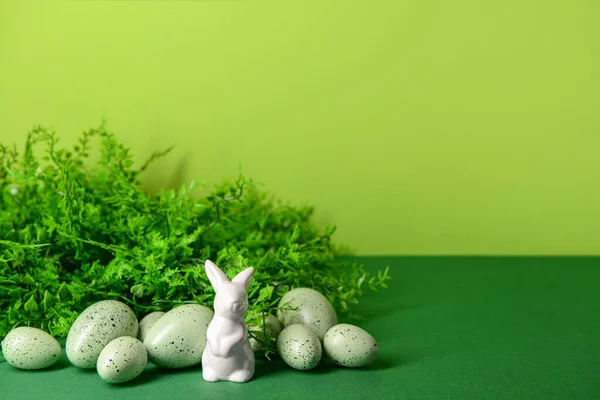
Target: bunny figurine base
point(228, 355)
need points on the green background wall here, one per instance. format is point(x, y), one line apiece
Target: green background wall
point(418, 127)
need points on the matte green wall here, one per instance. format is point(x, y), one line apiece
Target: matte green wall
point(418, 127)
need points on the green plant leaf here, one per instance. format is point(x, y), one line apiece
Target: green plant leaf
point(28, 280)
point(137, 290)
point(31, 304)
point(64, 294)
point(48, 300)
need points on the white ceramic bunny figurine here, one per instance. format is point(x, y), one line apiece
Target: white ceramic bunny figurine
point(228, 355)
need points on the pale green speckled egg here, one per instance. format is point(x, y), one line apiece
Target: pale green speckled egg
point(270, 324)
point(178, 338)
point(30, 348)
point(299, 347)
point(313, 310)
point(350, 346)
point(95, 327)
point(122, 360)
point(148, 322)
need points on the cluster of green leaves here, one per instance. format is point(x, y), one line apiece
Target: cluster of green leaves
point(73, 232)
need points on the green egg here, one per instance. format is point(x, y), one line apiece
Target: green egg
point(122, 360)
point(147, 323)
point(311, 309)
point(299, 347)
point(350, 346)
point(178, 338)
point(95, 327)
point(30, 348)
point(258, 326)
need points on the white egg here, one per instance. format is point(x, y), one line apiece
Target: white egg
point(30, 348)
point(178, 338)
point(122, 360)
point(95, 327)
point(299, 347)
point(313, 310)
point(148, 322)
point(270, 324)
point(350, 346)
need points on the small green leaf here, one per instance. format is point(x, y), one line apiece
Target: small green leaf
point(31, 304)
point(48, 300)
point(361, 280)
point(137, 290)
point(265, 293)
point(27, 279)
point(13, 315)
point(64, 294)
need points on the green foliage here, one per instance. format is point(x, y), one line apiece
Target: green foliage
point(72, 234)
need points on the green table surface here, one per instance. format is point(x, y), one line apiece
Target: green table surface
point(448, 328)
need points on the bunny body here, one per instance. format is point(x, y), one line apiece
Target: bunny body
point(228, 355)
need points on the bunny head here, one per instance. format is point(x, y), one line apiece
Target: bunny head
point(231, 298)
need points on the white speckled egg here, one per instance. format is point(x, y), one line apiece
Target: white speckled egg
point(95, 327)
point(313, 309)
point(122, 360)
point(350, 346)
point(148, 322)
point(299, 346)
point(178, 338)
point(270, 324)
point(30, 348)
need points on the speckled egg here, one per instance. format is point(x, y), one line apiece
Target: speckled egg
point(312, 309)
point(178, 338)
point(30, 348)
point(95, 327)
point(299, 346)
point(350, 346)
point(148, 322)
point(270, 324)
point(122, 360)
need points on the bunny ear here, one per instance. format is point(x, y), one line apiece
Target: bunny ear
point(215, 275)
point(244, 277)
